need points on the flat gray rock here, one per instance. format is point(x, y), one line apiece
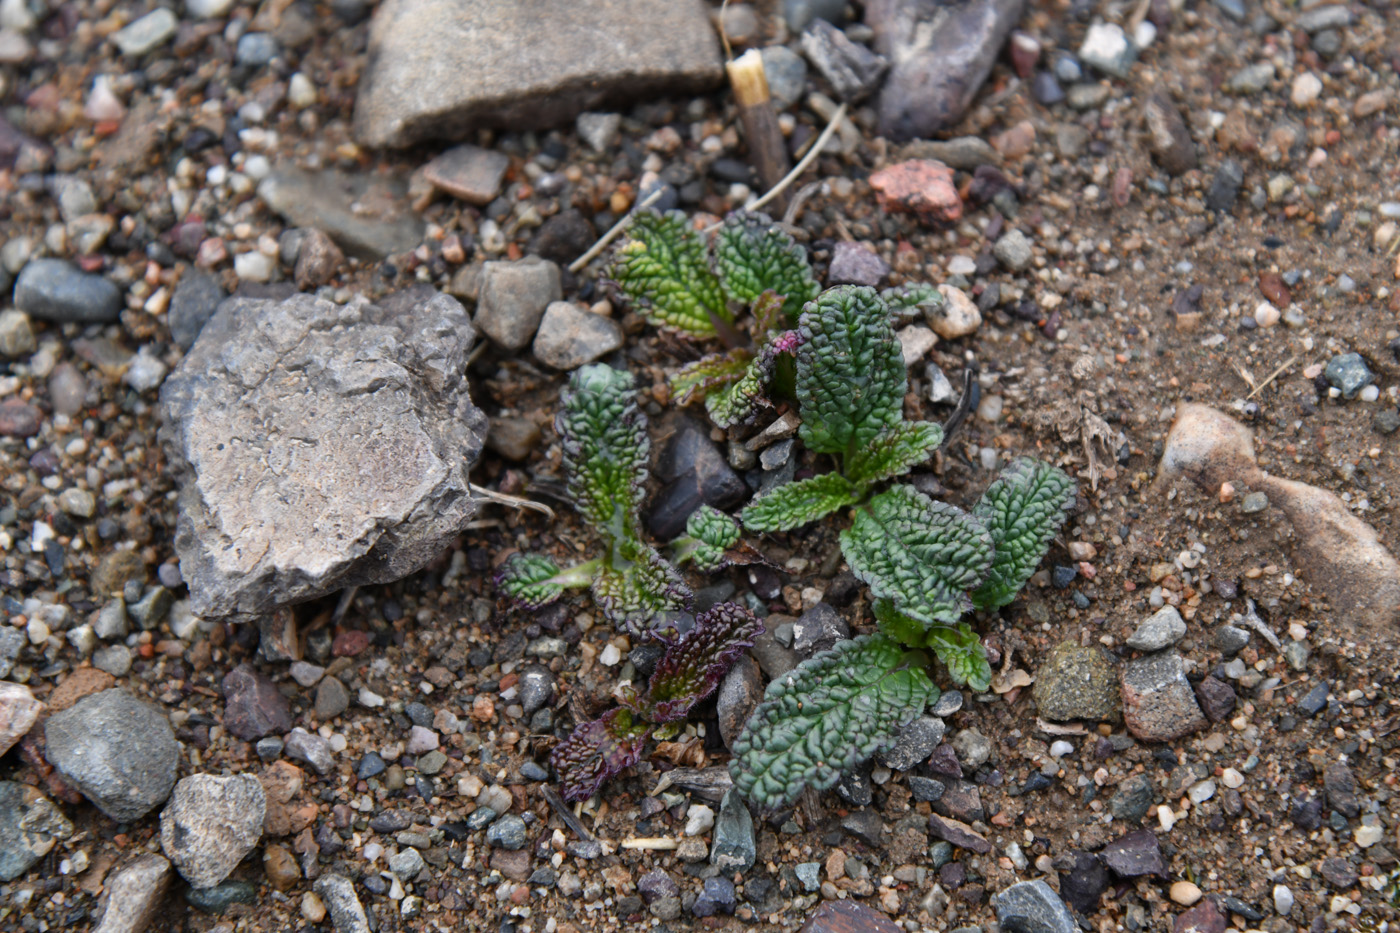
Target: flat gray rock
point(133, 895)
point(338, 893)
point(55, 290)
point(367, 216)
point(438, 68)
point(1033, 907)
point(570, 336)
point(30, 826)
point(118, 750)
point(319, 446)
point(210, 824)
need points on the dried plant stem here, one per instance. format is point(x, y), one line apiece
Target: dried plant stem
point(515, 502)
point(766, 146)
point(802, 166)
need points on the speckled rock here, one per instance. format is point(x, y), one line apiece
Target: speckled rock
point(210, 824)
point(18, 713)
point(30, 826)
point(133, 895)
point(118, 750)
point(1158, 703)
point(1077, 683)
point(368, 436)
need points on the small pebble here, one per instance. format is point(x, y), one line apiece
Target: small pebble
point(1185, 893)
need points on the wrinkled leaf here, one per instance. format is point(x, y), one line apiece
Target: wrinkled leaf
point(961, 652)
point(1023, 511)
point(795, 504)
point(895, 452)
point(913, 299)
point(529, 580)
point(754, 255)
point(830, 713)
point(707, 374)
point(605, 445)
point(923, 555)
point(637, 587)
point(596, 751)
point(663, 270)
point(697, 661)
point(712, 534)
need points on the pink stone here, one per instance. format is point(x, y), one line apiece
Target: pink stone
point(919, 186)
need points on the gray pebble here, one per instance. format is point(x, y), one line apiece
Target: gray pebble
point(114, 659)
point(508, 832)
point(55, 290)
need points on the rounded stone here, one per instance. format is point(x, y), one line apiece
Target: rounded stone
point(118, 750)
point(1077, 683)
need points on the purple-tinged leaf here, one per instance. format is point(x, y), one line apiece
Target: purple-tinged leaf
point(598, 750)
point(696, 662)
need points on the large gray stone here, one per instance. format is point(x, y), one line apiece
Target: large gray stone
point(1158, 702)
point(1033, 907)
point(367, 215)
point(134, 894)
point(210, 824)
point(438, 68)
point(513, 297)
point(30, 826)
point(941, 54)
point(118, 750)
point(570, 336)
point(319, 446)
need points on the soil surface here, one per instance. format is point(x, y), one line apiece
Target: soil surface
point(1084, 353)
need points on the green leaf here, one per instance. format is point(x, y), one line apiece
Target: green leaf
point(909, 300)
point(921, 554)
point(962, 654)
point(696, 662)
point(739, 401)
point(795, 504)
point(598, 750)
point(899, 626)
point(637, 589)
point(529, 580)
point(895, 452)
point(605, 446)
point(1023, 510)
point(707, 374)
point(662, 269)
point(754, 255)
point(769, 317)
point(850, 371)
point(709, 533)
point(830, 713)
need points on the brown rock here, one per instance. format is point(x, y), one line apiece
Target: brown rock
point(114, 570)
point(848, 917)
point(85, 681)
point(1205, 917)
point(280, 867)
point(1158, 703)
point(253, 706)
point(1271, 285)
point(281, 782)
point(1016, 142)
point(513, 863)
point(319, 260)
point(19, 419)
point(469, 172)
point(959, 834)
point(1170, 140)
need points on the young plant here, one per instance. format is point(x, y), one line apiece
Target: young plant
point(690, 669)
point(927, 564)
point(850, 383)
point(603, 435)
point(667, 273)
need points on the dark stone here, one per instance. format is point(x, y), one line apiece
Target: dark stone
point(565, 236)
point(657, 884)
point(1084, 883)
point(1338, 872)
point(866, 826)
point(1225, 186)
point(1217, 698)
point(1188, 300)
point(253, 706)
point(1033, 907)
point(1341, 790)
point(716, 897)
point(959, 834)
point(19, 419)
point(942, 53)
point(1134, 855)
point(1314, 701)
point(960, 800)
point(944, 761)
point(55, 290)
point(1205, 917)
point(369, 766)
point(1306, 814)
point(856, 264)
point(695, 472)
point(853, 70)
point(193, 303)
point(1170, 140)
point(849, 917)
point(1046, 88)
point(818, 629)
point(221, 897)
point(925, 788)
point(915, 742)
point(856, 787)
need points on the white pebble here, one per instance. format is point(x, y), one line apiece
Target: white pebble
point(1165, 818)
point(1367, 836)
point(699, 819)
point(252, 267)
point(1232, 778)
point(1306, 87)
point(610, 656)
point(1266, 315)
point(1061, 748)
point(1202, 792)
point(1283, 899)
point(300, 91)
point(1370, 393)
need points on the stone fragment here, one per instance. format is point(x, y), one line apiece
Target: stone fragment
point(470, 173)
point(1107, 47)
point(118, 750)
point(367, 215)
point(694, 472)
point(958, 833)
point(513, 297)
point(941, 54)
point(18, 713)
point(1134, 855)
point(55, 290)
point(856, 264)
point(30, 826)
point(253, 706)
point(1168, 136)
point(1205, 917)
point(1033, 907)
point(915, 743)
point(1084, 883)
point(1217, 698)
point(852, 69)
point(310, 748)
point(366, 434)
point(133, 894)
point(1077, 682)
point(338, 894)
point(956, 316)
point(919, 186)
point(318, 260)
point(1158, 703)
point(16, 334)
point(1162, 629)
point(531, 66)
point(848, 917)
point(1336, 550)
point(570, 336)
point(738, 694)
point(734, 848)
point(144, 34)
point(210, 824)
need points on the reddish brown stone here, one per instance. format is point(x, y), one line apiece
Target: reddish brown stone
point(85, 681)
point(1205, 917)
point(959, 834)
point(919, 186)
point(1274, 289)
point(350, 643)
point(253, 706)
point(848, 917)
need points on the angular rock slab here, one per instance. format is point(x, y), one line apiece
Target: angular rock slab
point(134, 894)
point(319, 446)
point(1158, 702)
point(18, 713)
point(210, 824)
point(1338, 552)
point(1033, 907)
point(118, 750)
point(30, 826)
point(438, 68)
point(941, 54)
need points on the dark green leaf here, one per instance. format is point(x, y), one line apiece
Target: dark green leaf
point(1023, 510)
point(662, 269)
point(820, 720)
point(962, 654)
point(605, 445)
point(923, 555)
point(895, 452)
point(754, 255)
point(708, 374)
point(636, 588)
point(795, 504)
